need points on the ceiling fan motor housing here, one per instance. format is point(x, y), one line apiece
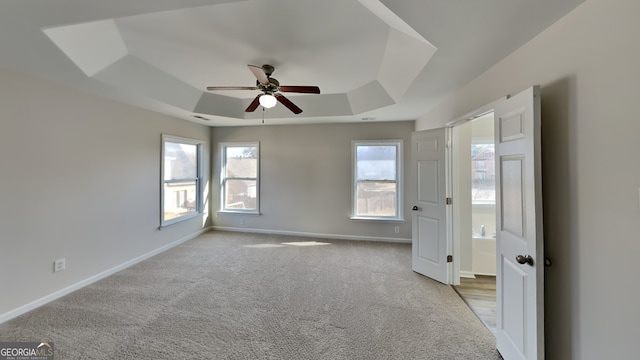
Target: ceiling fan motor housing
point(271, 87)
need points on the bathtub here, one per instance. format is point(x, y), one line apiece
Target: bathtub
point(483, 259)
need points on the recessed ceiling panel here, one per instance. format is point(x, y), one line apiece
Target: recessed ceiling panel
point(91, 46)
point(308, 42)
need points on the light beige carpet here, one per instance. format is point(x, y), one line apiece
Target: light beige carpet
point(246, 296)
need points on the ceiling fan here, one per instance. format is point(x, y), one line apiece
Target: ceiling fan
point(271, 90)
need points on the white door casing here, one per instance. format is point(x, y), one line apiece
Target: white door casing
point(429, 213)
point(520, 255)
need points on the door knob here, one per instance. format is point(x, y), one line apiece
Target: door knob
point(414, 208)
point(527, 259)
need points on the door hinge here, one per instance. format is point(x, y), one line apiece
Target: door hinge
point(449, 258)
point(449, 201)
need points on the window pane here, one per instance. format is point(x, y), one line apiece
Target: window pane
point(180, 199)
point(376, 162)
point(240, 194)
point(376, 198)
point(241, 161)
point(180, 161)
point(483, 174)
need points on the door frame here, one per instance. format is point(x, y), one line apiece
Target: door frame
point(517, 139)
point(452, 238)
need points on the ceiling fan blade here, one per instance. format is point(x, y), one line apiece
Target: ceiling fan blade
point(301, 89)
point(286, 102)
point(259, 74)
point(213, 88)
point(254, 104)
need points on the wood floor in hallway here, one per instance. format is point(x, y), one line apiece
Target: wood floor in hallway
point(480, 295)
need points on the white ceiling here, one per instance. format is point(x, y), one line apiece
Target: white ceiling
point(382, 59)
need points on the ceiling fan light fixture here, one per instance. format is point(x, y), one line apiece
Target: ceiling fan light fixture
point(268, 101)
point(268, 86)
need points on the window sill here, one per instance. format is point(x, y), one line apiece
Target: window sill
point(180, 219)
point(246, 212)
point(483, 203)
point(372, 218)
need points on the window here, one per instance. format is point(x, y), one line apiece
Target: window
point(377, 189)
point(240, 188)
point(181, 195)
point(483, 174)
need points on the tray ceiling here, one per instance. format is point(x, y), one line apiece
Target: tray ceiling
point(381, 60)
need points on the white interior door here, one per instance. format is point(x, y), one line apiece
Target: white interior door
point(429, 215)
point(520, 257)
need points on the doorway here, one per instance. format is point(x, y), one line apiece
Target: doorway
point(473, 186)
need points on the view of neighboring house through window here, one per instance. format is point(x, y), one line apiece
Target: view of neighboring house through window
point(483, 174)
point(377, 179)
point(239, 181)
point(181, 169)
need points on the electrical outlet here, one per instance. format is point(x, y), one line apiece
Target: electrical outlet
point(397, 229)
point(59, 265)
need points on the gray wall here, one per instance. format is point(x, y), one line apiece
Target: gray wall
point(79, 180)
point(588, 67)
point(305, 179)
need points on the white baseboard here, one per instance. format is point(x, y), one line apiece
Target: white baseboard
point(69, 289)
point(485, 274)
point(467, 274)
point(316, 235)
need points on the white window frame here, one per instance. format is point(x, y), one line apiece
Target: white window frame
point(198, 179)
point(223, 178)
point(482, 141)
point(399, 179)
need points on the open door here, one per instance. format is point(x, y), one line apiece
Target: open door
point(429, 215)
point(520, 256)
